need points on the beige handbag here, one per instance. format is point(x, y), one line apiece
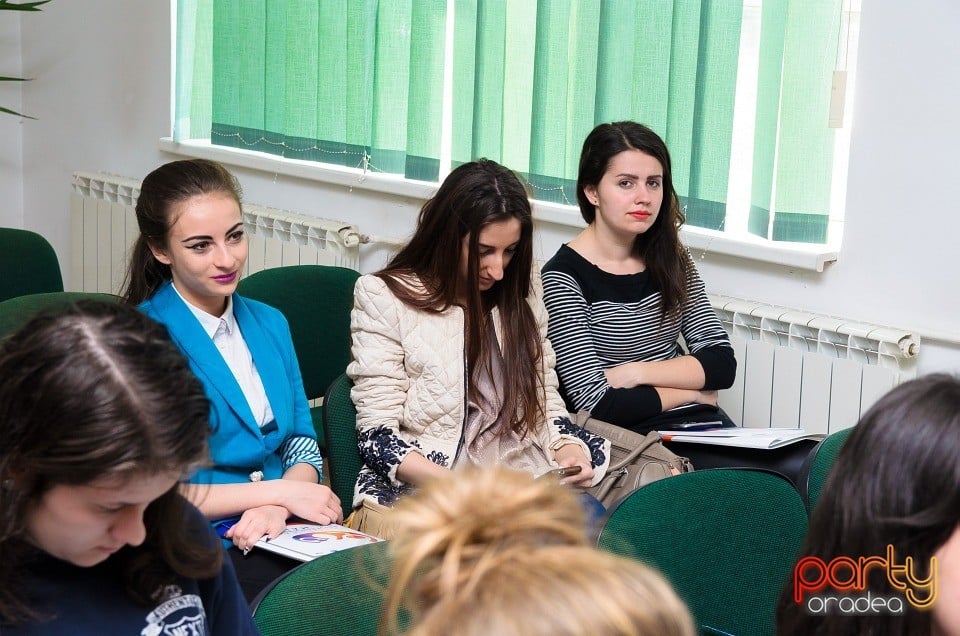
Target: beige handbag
point(635, 460)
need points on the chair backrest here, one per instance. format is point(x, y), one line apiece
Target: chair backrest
point(818, 464)
point(338, 594)
point(316, 300)
point(726, 538)
point(28, 264)
point(340, 432)
point(17, 311)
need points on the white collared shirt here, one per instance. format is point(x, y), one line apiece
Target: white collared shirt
point(225, 333)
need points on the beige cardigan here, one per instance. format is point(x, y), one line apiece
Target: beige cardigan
point(408, 370)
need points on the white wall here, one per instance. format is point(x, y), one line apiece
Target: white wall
point(11, 149)
point(102, 97)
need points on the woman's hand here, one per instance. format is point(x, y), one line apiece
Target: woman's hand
point(672, 398)
point(573, 455)
point(706, 397)
point(625, 376)
point(256, 522)
point(309, 501)
point(416, 469)
point(684, 372)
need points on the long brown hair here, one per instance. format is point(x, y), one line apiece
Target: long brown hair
point(473, 196)
point(161, 190)
point(99, 390)
point(660, 248)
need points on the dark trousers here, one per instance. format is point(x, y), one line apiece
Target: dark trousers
point(258, 569)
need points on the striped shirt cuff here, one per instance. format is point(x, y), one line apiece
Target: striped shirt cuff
point(301, 450)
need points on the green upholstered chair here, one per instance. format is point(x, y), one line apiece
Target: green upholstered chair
point(28, 264)
point(818, 463)
point(17, 311)
point(726, 538)
point(316, 300)
point(338, 594)
point(340, 429)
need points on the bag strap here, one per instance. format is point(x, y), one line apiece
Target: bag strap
point(651, 439)
point(606, 485)
point(651, 443)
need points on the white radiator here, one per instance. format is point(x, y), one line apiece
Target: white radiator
point(104, 227)
point(816, 372)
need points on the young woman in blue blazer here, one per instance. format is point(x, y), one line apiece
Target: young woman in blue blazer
point(184, 271)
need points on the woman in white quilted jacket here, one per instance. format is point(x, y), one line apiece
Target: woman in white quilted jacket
point(451, 365)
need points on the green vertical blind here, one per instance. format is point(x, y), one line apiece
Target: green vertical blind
point(806, 145)
point(356, 83)
point(533, 78)
point(361, 83)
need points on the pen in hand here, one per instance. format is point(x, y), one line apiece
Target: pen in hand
point(224, 525)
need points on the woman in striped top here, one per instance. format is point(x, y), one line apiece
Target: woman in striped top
point(622, 292)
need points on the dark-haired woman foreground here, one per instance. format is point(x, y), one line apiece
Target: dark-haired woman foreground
point(893, 491)
point(102, 419)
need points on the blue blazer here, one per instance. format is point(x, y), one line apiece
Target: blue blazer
point(237, 445)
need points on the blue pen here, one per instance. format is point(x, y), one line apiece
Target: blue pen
point(225, 524)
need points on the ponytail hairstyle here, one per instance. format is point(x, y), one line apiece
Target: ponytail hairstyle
point(99, 391)
point(425, 275)
point(160, 193)
point(495, 551)
point(660, 248)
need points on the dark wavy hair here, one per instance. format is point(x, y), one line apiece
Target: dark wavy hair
point(473, 196)
point(98, 390)
point(896, 481)
point(161, 190)
point(660, 248)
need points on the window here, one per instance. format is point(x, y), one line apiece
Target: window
point(740, 91)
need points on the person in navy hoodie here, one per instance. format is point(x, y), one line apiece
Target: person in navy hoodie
point(183, 272)
point(102, 420)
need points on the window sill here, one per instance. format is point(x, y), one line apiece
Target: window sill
point(699, 240)
point(310, 170)
point(806, 256)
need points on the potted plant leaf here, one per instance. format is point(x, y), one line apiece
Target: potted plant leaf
point(6, 5)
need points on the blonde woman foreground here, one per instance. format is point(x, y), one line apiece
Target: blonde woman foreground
point(495, 551)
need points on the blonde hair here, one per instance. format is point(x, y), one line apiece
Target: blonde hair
point(495, 551)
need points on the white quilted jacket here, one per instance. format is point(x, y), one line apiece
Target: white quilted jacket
point(409, 374)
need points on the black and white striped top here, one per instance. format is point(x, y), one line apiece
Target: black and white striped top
point(599, 320)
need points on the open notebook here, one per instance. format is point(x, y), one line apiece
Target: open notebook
point(762, 438)
point(306, 541)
